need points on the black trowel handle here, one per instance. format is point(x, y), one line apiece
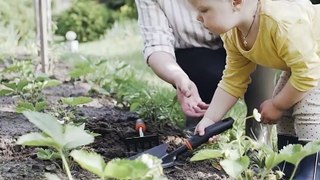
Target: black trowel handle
point(215, 129)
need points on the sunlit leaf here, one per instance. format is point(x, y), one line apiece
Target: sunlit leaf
point(134, 106)
point(46, 123)
point(74, 101)
point(312, 147)
point(40, 106)
point(4, 92)
point(90, 161)
point(11, 85)
point(51, 83)
point(273, 159)
point(125, 169)
point(206, 154)
point(293, 153)
point(22, 84)
point(75, 136)
point(234, 168)
point(24, 106)
point(81, 69)
point(37, 139)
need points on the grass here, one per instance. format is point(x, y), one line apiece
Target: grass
point(123, 42)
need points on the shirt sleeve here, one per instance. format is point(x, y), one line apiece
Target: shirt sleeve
point(155, 29)
point(297, 46)
point(236, 75)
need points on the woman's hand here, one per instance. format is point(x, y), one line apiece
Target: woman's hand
point(270, 114)
point(189, 98)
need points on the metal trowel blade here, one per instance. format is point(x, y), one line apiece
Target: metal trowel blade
point(157, 151)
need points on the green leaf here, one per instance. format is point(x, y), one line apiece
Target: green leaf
point(40, 106)
point(51, 83)
point(76, 136)
point(312, 147)
point(90, 161)
point(37, 139)
point(11, 85)
point(273, 159)
point(4, 92)
point(46, 123)
point(293, 153)
point(41, 77)
point(81, 69)
point(24, 106)
point(47, 154)
point(234, 168)
point(126, 169)
point(134, 106)
point(21, 84)
point(206, 154)
point(74, 101)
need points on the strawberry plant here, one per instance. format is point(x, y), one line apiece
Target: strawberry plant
point(244, 158)
point(144, 167)
point(66, 111)
point(62, 138)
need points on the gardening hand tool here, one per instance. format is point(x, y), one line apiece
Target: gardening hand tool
point(138, 144)
point(168, 159)
point(141, 127)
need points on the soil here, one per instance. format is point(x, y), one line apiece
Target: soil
point(114, 124)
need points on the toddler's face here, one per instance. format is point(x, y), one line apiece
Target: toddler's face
point(216, 15)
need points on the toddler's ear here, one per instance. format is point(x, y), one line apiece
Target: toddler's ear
point(236, 4)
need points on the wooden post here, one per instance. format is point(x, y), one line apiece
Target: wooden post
point(42, 7)
point(37, 20)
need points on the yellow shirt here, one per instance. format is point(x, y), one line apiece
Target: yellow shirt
point(288, 39)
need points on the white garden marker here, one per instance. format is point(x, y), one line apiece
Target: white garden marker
point(72, 43)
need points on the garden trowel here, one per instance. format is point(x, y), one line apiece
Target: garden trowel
point(168, 159)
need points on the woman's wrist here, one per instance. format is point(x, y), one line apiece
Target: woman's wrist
point(180, 78)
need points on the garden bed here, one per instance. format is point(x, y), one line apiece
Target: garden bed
point(104, 118)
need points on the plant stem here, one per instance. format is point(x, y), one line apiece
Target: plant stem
point(264, 173)
point(65, 164)
point(294, 171)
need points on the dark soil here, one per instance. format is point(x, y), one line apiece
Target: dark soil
point(103, 117)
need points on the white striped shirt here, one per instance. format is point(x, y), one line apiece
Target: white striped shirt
point(166, 25)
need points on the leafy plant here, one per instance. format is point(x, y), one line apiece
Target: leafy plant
point(244, 158)
point(30, 92)
point(22, 20)
point(67, 114)
point(144, 167)
point(54, 135)
point(29, 88)
point(88, 19)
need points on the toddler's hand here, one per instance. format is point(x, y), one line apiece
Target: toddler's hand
point(205, 122)
point(270, 114)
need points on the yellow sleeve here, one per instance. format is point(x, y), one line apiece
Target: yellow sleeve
point(236, 75)
point(297, 46)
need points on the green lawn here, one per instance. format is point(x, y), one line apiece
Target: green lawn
point(123, 42)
